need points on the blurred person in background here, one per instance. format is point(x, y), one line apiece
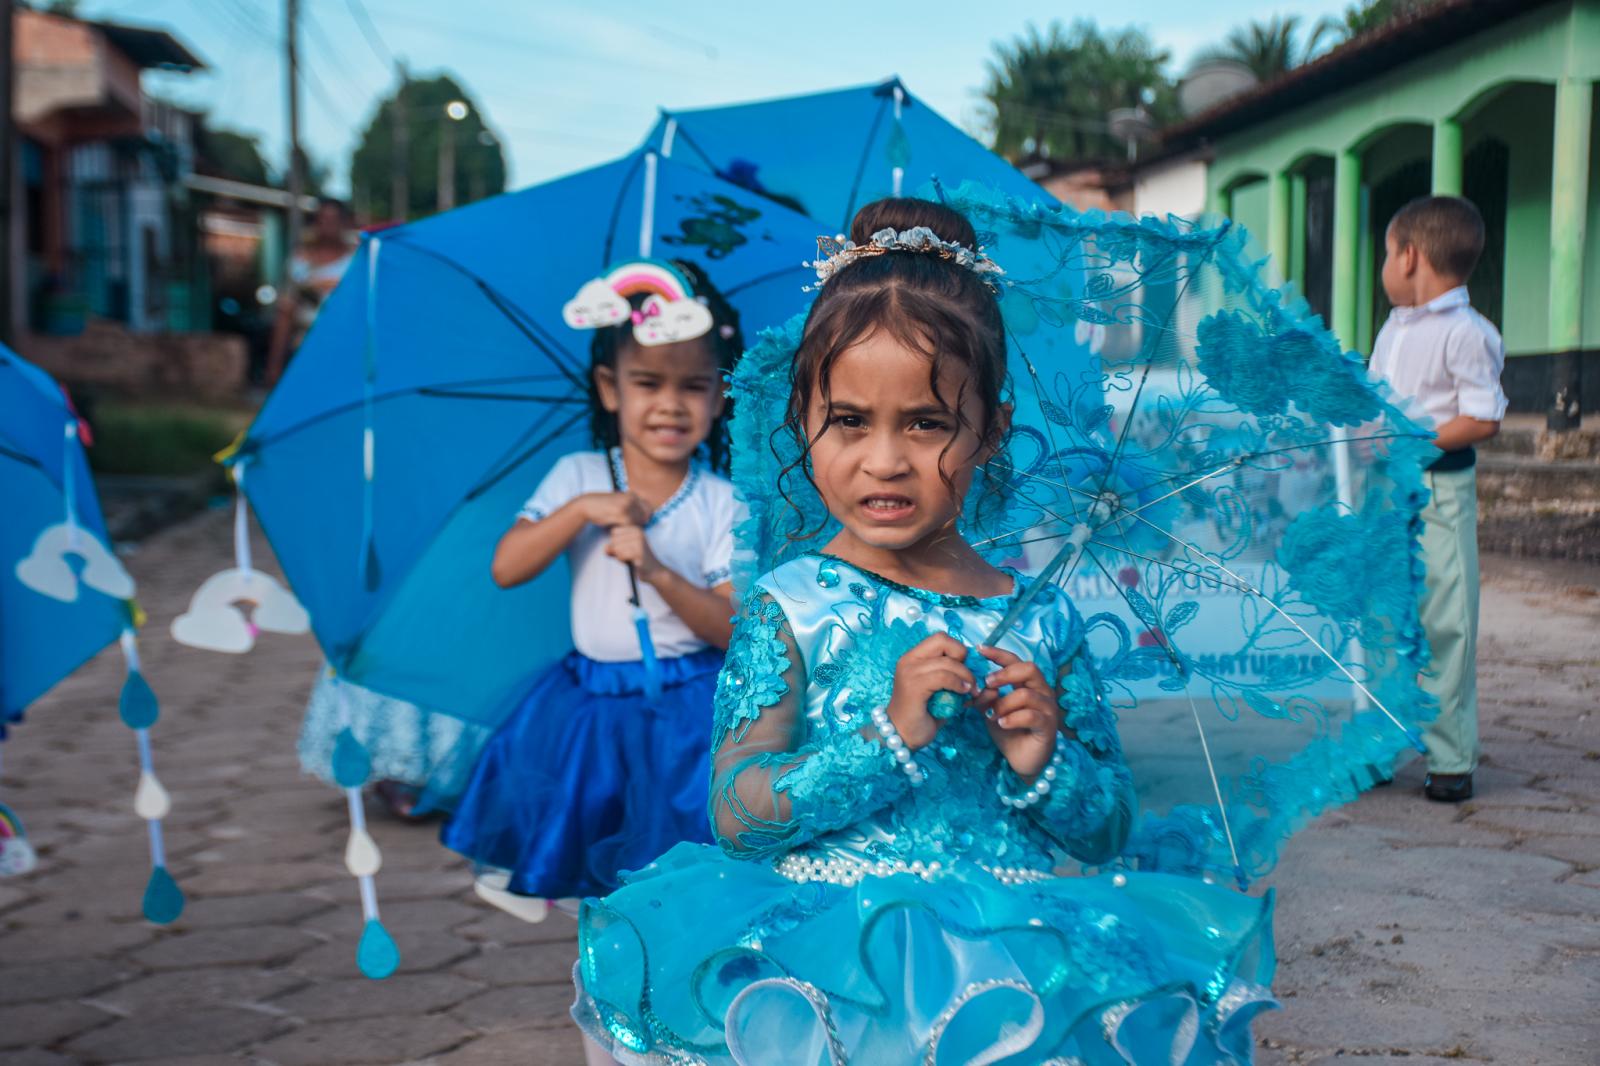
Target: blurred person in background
point(314, 270)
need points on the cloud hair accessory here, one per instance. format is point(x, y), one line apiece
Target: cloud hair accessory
point(670, 312)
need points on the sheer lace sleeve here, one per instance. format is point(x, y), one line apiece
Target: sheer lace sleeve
point(1090, 808)
point(775, 783)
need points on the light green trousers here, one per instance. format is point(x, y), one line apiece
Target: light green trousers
point(1450, 618)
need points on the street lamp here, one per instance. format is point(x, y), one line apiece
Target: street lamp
point(455, 111)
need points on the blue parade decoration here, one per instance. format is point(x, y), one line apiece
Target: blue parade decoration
point(64, 596)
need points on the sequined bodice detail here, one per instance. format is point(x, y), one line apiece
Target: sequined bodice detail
point(815, 652)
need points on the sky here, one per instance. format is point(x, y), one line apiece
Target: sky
point(567, 85)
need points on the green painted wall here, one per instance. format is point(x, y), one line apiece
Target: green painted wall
point(1498, 84)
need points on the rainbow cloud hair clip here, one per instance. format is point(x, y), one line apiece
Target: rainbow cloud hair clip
point(836, 253)
point(670, 312)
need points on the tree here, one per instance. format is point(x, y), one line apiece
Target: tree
point(1049, 94)
point(480, 168)
point(1366, 16)
point(1269, 48)
point(231, 154)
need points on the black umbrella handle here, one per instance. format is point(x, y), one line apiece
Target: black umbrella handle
point(616, 486)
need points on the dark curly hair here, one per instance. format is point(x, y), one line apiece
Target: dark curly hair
point(929, 304)
point(725, 339)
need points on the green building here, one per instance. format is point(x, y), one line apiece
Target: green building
point(1490, 99)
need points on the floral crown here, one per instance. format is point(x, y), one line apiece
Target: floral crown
point(836, 253)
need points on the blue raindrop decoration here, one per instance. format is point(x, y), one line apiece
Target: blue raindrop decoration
point(138, 705)
point(163, 899)
point(378, 955)
point(351, 763)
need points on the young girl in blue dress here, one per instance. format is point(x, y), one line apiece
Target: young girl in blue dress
point(590, 776)
point(889, 884)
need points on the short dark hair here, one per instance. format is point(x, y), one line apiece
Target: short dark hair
point(1446, 230)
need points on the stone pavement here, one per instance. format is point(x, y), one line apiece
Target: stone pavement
point(1408, 932)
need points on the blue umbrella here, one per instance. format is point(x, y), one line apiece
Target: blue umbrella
point(63, 595)
point(827, 154)
point(441, 365)
point(436, 389)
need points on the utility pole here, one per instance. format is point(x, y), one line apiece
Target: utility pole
point(291, 9)
point(447, 167)
point(400, 151)
point(454, 112)
point(8, 168)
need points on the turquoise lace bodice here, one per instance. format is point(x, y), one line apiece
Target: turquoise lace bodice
point(799, 770)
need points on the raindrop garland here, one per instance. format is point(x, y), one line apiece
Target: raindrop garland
point(377, 955)
point(163, 899)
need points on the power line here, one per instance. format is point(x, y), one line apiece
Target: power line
point(369, 30)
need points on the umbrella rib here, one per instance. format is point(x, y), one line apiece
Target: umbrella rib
point(683, 135)
point(734, 290)
point(1287, 617)
point(346, 408)
point(524, 322)
point(21, 457)
point(1178, 569)
point(451, 394)
point(1205, 744)
point(1298, 447)
point(616, 208)
point(1038, 384)
point(1144, 378)
point(503, 468)
point(861, 166)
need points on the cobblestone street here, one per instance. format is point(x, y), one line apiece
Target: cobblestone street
point(1408, 932)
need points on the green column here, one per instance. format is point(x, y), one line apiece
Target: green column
point(1221, 202)
point(1278, 221)
point(1447, 157)
point(1569, 190)
point(1346, 243)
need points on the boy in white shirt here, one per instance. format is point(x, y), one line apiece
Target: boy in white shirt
point(1438, 352)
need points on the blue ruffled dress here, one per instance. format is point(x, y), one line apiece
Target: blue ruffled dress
point(853, 915)
point(588, 777)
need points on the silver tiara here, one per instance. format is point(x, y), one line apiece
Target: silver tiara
point(836, 253)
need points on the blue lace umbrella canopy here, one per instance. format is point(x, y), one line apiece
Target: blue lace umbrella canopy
point(1229, 500)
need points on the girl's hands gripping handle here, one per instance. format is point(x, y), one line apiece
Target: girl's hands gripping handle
point(1025, 723)
point(937, 663)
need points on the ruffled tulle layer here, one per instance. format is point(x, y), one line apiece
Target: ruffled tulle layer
point(701, 958)
point(588, 777)
point(431, 751)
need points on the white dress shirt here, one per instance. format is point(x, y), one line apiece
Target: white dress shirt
point(692, 533)
point(1445, 357)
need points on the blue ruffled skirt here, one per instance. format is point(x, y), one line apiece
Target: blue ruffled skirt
point(588, 778)
point(708, 959)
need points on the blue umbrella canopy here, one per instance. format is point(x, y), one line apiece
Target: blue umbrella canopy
point(43, 638)
point(63, 595)
point(441, 365)
point(830, 153)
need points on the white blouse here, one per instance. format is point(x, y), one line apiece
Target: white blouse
point(692, 533)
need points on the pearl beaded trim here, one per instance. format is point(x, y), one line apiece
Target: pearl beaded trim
point(896, 744)
point(1041, 788)
point(842, 870)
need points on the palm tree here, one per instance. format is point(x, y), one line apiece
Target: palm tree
point(1268, 48)
point(1049, 93)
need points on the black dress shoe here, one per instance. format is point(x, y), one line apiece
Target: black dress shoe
point(1448, 788)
